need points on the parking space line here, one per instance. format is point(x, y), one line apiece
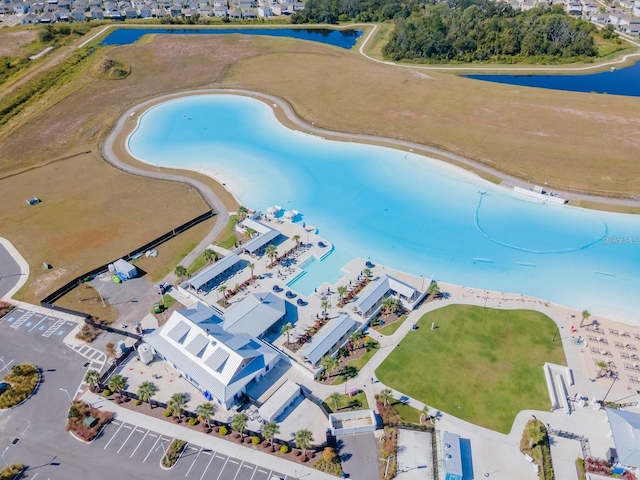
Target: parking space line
point(233, 461)
point(222, 469)
point(239, 468)
point(193, 463)
point(133, 430)
point(213, 455)
point(10, 312)
point(42, 320)
point(53, 328)
point(22, 319)
point(152, 448)
point(114, 436)
point(254, 473)
point(135, 449)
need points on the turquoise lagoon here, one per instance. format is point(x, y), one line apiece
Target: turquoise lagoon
point(402, 210)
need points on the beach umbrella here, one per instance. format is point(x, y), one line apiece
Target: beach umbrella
point(271, 211)
point(289, 215)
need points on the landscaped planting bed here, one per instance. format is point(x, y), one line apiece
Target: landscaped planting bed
point(22, 381)
point(173, 453)
point(11, 472)
point(86, 422)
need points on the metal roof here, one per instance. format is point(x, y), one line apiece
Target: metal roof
point(279, 401)
point(197, 345)
point(322, 343)
point(452, 459)
point(217, 359)
point(255, 314)
point(378, 289)
point(214, 270)
point(179, 331)
point(257, 242)
point(625, 427)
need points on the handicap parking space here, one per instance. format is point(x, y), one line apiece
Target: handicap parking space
point(140, 445)
point(37, 323)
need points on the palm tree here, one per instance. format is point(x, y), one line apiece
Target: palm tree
point(243, 211)
point(92, 378)
point(286, 328)
point(271, 251)
point(390, 305)
point(209, 255)
point(335, 397)
point(222, 289)
point(536, 433)
point(181, 272)
point(434, 289)
point(251, 267)
point(585, 316)
point(117, 384)
point(146, 391)
point(177, 404)
point(249, 233)
point(239, 423)
point(303, 440)
point(329, 364)
point(270, 430)
point(205, 411)
point(355, 338)
point(342, 290)
point(325, 304)
point(424, 414)
point(296, 238)
point(386, 396)
point(367, 272)
point(603, 366)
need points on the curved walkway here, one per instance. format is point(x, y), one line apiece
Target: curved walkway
point(489, 68)
point(14, 269)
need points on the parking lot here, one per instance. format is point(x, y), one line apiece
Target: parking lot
point(146, 448)
point(37, 323)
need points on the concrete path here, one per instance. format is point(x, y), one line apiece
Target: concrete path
point(14, 270)
point(217, 444)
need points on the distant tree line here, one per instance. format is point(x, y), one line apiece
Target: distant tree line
point(464, 30)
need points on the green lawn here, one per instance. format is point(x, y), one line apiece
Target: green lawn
point(406, 412)
point(481, 365)
point(227, 239)
point(391, 329)
point(345, 401)
point(360, 362)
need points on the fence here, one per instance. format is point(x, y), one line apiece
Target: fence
point(69, 286)
point(119, 361)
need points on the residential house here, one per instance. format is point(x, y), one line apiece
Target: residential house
point(96, 13)
point(574, 8)
point(220, 12)
point(144, 12)
point(61, 15)
point(219, 3)
point(47, 17)
point(130, 12)
point(265, 11)
point(204, 3)
point(627, 5)
point(636, 11)
point(37, 7)
point(160, 12)
point(78, 15)
point(219, 363)
point(30, 19)
point(95, 4)
point(235, 13)
point(249, 13)
point(138, 3)
point(189, 12)
point(206, 11)
point(629, 25)
point(600, 18)
point(175, 11)
point(20, 7)
point(64, 5)
point(81, 4)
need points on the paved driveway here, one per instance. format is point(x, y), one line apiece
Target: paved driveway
point(359, 455)
point(415, 455)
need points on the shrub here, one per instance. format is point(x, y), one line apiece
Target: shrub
point(10, 472)
point(22, 381)
point(5, 307)
point(137, 402)
point(106, 392)
point(192, 421)
point(173, 453)
point(88, 333)
point(167, 413)
point(329, 454)
point(255, 440)
point(284, 449)
point(76, 424)
point(223, 430)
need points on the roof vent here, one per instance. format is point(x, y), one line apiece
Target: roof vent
point(448, 455)
point(447, 445)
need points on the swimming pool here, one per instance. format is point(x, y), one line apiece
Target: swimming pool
point(409, 212)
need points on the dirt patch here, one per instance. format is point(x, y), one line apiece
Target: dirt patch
point(43, 283)
point(13, 42)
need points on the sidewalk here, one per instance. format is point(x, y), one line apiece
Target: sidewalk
point(217, 444)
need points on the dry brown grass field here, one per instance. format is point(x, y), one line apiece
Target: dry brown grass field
point(92, 212)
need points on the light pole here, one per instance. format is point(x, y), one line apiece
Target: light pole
point(101, 297)
point(3, 459)
point(68, 396)
point(386, 470)
point(422, 277)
